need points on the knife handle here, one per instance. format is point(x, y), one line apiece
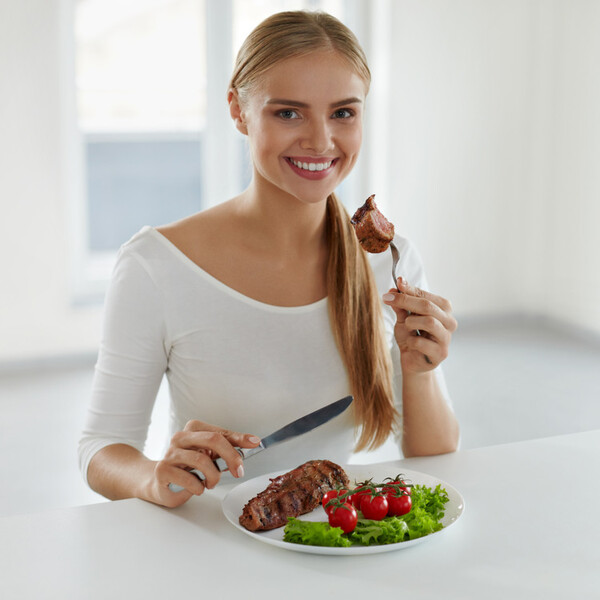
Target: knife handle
point(220, 464)
point(248, 452)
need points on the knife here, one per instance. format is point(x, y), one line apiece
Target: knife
point(292, 430)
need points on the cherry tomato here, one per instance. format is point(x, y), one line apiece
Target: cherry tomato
point(344, 516)
point(397, 484)
point(374, 507)
point(330, 495)
point(398, 505)
point(357, 497)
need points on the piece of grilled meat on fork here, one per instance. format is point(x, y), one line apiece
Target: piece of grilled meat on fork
point(373, 230)
point(294, 493)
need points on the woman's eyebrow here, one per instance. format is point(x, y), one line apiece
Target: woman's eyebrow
point(287, 102)
point(352, 100)
point(297, 103)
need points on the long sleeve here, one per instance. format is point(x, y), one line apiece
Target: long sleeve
point(131, 362)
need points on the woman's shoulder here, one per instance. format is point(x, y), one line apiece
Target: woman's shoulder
point(208, 221)
point(191, 235)
point(202, 232)
point(205, 238)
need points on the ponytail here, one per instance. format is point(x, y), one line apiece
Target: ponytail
point(356, 319)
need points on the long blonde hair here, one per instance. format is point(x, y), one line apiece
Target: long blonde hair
point(354, 303)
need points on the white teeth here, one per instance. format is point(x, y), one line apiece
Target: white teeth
point(312, 166)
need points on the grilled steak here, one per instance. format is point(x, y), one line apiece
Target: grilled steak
point(373, 230)
point(294, 493)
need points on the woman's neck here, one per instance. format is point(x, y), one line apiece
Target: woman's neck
point(281, 223)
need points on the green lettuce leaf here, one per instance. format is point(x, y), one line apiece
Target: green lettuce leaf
point(314, 534)
point(420, 523)
point(432, 501)
point(387, 531)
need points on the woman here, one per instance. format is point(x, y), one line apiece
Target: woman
point(265, 307)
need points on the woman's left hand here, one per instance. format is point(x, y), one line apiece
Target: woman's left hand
point(430, 315)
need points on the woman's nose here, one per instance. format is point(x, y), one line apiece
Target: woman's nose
point(318, 137)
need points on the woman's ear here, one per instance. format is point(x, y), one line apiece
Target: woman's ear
point(235, 110)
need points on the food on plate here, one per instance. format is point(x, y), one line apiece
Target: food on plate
point(373, 230)
point(426, 508)
point(374, 506)
point(292, 494)
point(330, 495)
point(398, 495)
point(398, 504)
point(315, 533)
point(374, 500)
point(343, 516)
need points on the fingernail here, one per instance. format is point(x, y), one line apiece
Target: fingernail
point(400, 281)
point(254, 440)
point(388, 297)
point(240, 471)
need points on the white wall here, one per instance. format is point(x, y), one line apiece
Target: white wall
point(461, 108)
point(463, 98)
point(572, 266)
point(36, 315)
point(496, 131)
point(488, 125)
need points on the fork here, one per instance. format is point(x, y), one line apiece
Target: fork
point(395, 259)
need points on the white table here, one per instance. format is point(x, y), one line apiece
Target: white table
point(530, 530)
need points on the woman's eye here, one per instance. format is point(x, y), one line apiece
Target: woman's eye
point(343, 113)
point(288, 113)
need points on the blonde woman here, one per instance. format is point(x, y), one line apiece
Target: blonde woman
point(265, 308)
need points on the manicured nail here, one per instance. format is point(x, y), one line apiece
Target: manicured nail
point(254, 440)
point(388, 297)
point(240, 471)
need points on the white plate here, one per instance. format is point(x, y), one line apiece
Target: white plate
point(236, 499)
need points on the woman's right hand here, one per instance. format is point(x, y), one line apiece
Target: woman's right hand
point(196, 447)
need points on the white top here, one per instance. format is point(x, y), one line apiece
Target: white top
point(230, 360)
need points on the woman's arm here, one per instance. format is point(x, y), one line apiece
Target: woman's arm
point(120, 471)
point(131, 363)
point(429, 425)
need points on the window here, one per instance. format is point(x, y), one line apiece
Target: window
point(150, 85)
point(140, 74)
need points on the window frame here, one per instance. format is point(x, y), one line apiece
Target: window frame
point(90, 271)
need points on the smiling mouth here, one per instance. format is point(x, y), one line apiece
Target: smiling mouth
point(311, 166)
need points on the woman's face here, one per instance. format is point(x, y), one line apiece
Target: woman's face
point(304, 125)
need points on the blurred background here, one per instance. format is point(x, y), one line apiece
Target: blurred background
point(482, 146)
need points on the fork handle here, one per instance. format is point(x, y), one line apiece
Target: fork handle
point(395, 259)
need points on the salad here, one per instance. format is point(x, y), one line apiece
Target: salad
point(373, 513)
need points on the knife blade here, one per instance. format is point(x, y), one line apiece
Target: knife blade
point(291, 430)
